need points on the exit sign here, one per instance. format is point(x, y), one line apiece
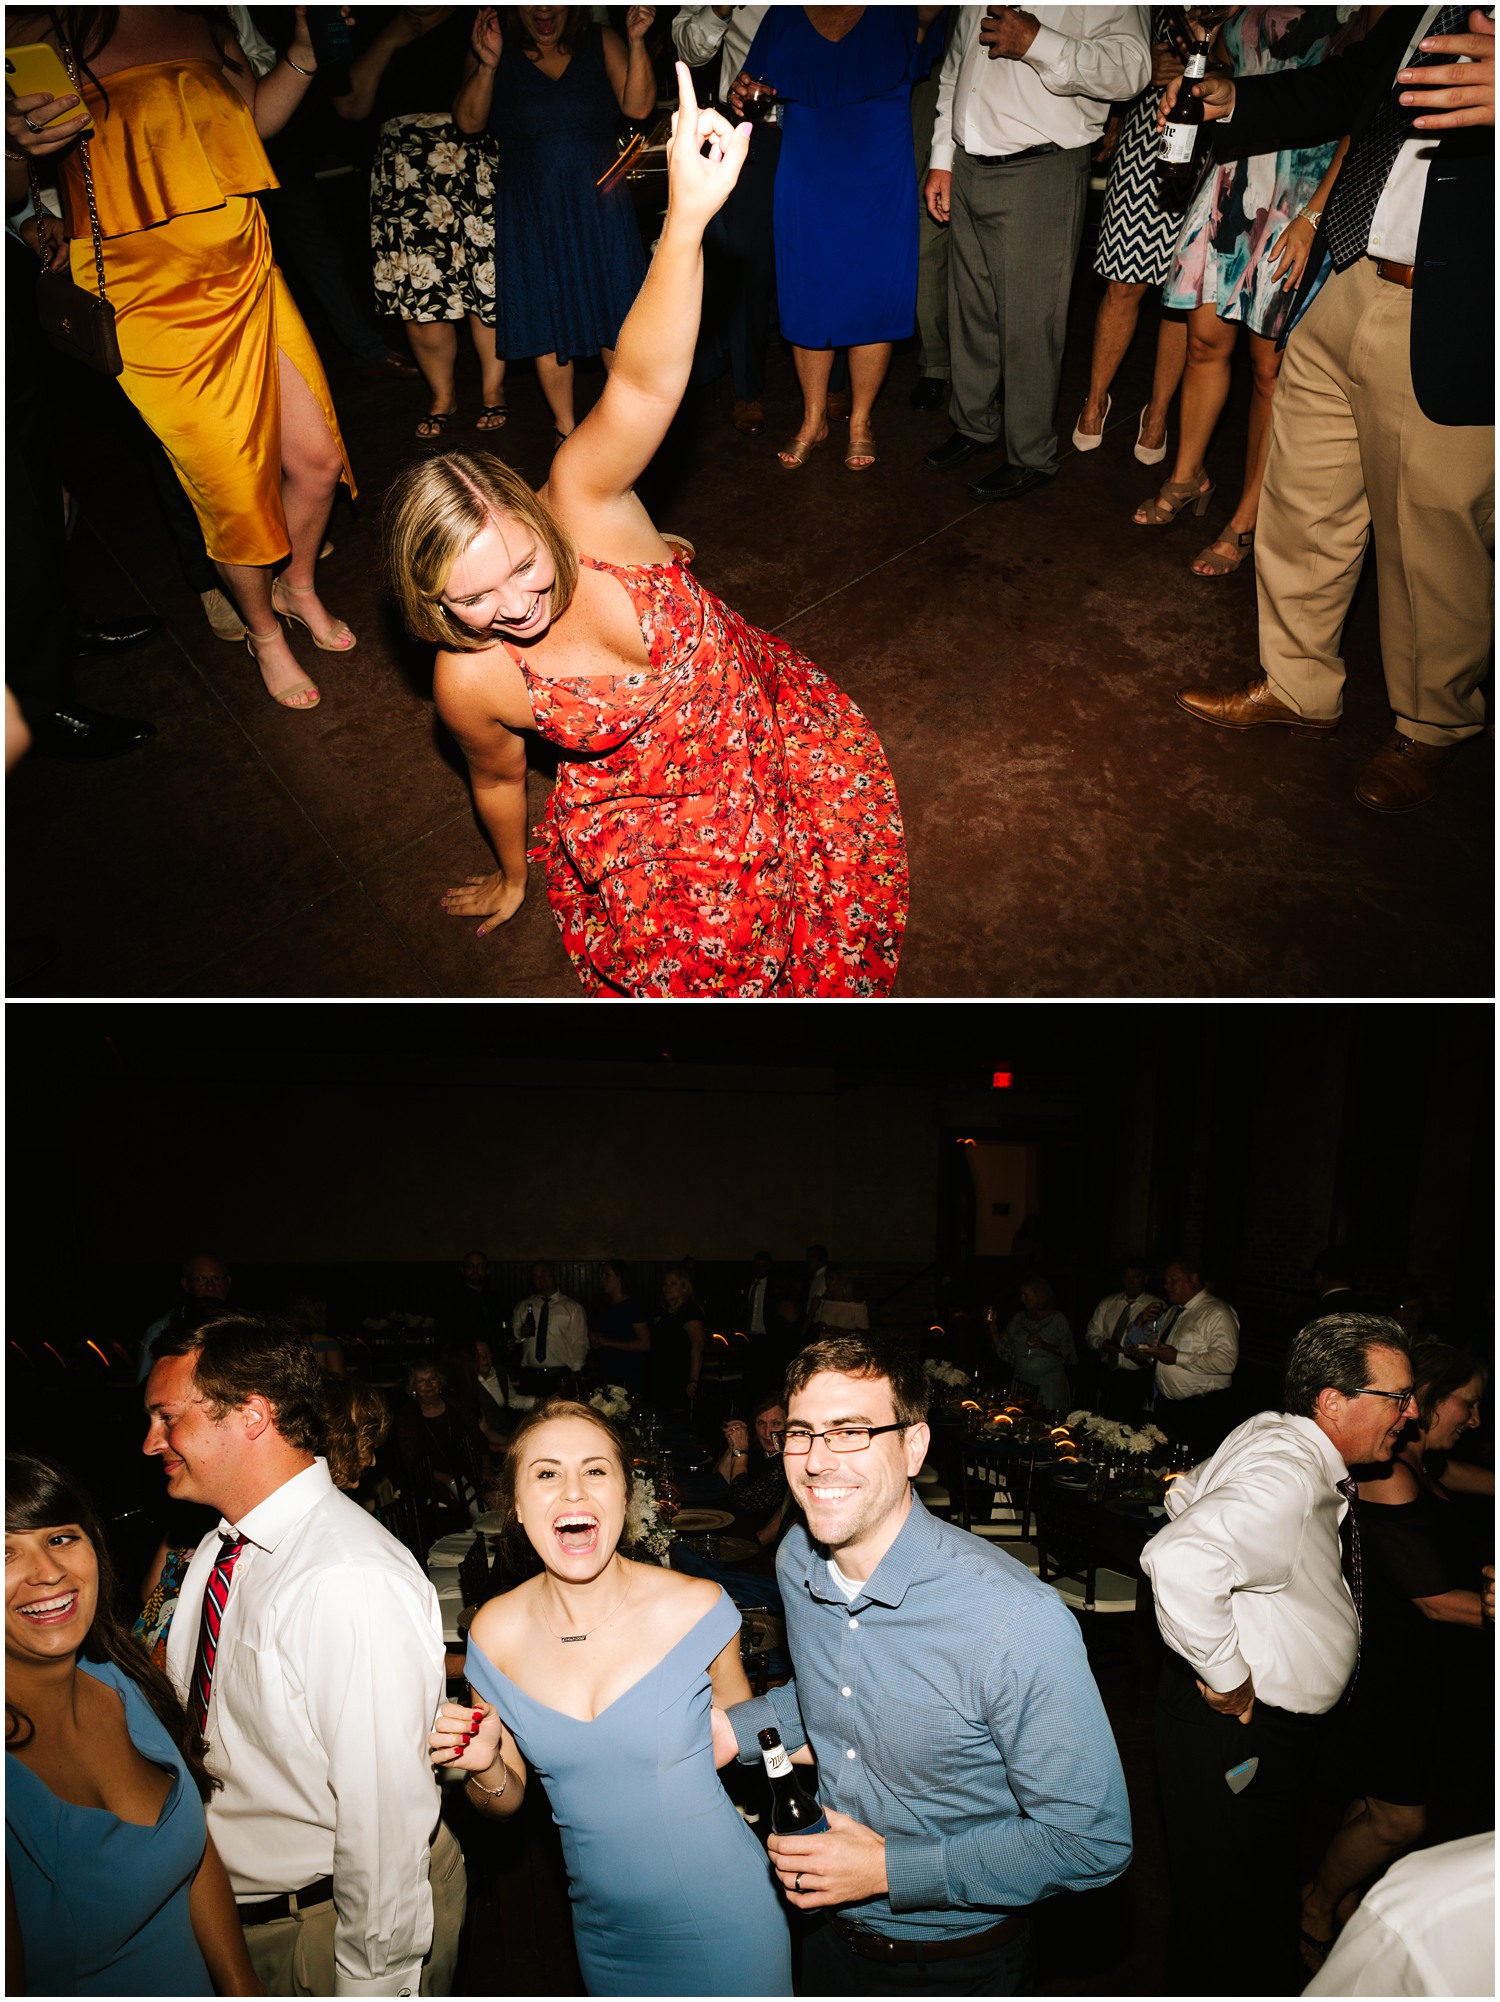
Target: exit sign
point(1001, 1081)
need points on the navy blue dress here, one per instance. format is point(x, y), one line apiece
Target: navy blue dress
point(672, 1894)
point(103, 1903)
point(846, 185)
point(568, 257)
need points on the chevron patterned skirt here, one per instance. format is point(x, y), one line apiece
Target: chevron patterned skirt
point(1136, 235)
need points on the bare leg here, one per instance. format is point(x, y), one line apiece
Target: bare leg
point(1205, 387)
point(814, 366)
point(491, 371)
point(435, 345)
point(867, 371)
point(1373, 1835)
point(556, 378)
point(1171, 360)
point(1114, 330)
point(1265, 365)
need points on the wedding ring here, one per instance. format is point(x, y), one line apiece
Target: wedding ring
point(797, 1882)
point(28, 124)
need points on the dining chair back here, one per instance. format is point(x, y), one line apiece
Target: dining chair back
point(1067, 1547)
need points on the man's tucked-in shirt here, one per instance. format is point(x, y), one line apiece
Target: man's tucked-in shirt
point(1247, 1576)
point(1206, 1336)
point(1081, 61)
point(951, 1709)
point(567, 1332)
point(328, 1675)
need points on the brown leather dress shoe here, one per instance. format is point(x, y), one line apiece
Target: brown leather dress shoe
point(1402, 775)
point(1248, 707)
point(748, 417)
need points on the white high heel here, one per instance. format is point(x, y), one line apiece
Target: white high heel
point(1090, 441)
point(1149, 455)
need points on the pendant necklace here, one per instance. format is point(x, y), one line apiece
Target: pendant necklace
point(568, 1638)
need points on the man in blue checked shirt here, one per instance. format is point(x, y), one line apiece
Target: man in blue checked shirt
point(964, 1758)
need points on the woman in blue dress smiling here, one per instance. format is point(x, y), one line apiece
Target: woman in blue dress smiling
point(112, 1885)
point(605, 1673)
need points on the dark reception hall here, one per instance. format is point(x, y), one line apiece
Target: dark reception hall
point(1060, 1328)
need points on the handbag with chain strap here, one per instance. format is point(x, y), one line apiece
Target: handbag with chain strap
point(76, 322)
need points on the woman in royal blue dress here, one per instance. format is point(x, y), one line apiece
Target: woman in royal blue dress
point(112, 1885)
point(605, 1672)
point(846, 199)
point(552, 87)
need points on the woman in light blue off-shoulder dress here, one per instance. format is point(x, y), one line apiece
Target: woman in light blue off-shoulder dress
point(601, 1676)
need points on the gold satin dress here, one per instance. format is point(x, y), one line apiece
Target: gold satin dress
point(201, 309)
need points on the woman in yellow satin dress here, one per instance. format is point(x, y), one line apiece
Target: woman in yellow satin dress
point(217, 358)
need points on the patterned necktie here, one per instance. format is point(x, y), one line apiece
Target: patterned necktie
point(541, 1336)
point(214, 1597)
point(1368, 163)
point(1356, 1573)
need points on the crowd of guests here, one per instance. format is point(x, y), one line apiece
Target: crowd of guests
point(491, 135)
point(261, 1732)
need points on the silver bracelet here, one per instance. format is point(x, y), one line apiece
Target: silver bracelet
point(298, 67)
point(494, 1793)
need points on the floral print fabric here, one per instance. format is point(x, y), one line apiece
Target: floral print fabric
point(1237, 215)
point(731, 826)
point(432, 220)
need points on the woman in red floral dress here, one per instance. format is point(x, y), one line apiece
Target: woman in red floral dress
point(727, 823)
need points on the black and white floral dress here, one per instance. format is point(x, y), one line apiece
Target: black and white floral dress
point(432, 218)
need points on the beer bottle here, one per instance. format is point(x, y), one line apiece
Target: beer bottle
point(793, 1811)
point(1177, 160)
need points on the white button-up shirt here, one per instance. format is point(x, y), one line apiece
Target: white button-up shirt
point(1246, 1575)
point(567, 1332)
point(1106, 1318)
point(1398, 213)
point(1206, 1336)
point(1081, 61)
point(698, 31)
point(328, 1676)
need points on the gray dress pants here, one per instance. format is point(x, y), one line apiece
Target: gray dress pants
point(1014, 236)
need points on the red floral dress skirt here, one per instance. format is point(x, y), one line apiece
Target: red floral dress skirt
point(730, 825)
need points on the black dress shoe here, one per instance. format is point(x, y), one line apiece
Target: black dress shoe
point(81, 736)
point(1008, 483)
point(931, 393)
point(956, 451)
point(113, 635)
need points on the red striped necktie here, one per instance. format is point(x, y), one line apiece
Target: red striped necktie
point(214, 1598)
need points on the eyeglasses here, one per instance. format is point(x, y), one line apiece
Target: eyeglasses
point(839, 1438)
point(1400, 1398)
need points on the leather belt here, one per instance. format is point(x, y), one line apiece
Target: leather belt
point(1004, 159)
point(876, 1946)
point(264, 1910)
point(1395, 274)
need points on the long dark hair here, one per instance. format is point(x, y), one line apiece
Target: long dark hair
point(39, 1494)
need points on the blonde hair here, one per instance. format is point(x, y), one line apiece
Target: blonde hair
point(433, 511)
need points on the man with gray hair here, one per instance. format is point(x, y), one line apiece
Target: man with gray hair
point(1252, 1600)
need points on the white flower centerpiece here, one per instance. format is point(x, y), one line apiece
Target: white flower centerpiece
point(1117, 1437)
point(646, 1530)
point(611, 1401)
point(948, 1374)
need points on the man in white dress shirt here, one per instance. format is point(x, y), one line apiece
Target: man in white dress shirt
point(321, 1684)
point(1021, 102)
point(1264, 1632)
point(553, 1333)
point(1195, 1351)
point(1123, 1383)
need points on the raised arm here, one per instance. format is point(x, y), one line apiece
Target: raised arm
point(595, 470)
point(628, 64)
point(367, 69)
point(471, 108)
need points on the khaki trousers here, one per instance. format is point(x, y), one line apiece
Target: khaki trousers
point(294, 1956)
point(1351, 455)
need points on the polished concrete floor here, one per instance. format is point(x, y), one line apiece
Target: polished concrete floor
point(1070, 831)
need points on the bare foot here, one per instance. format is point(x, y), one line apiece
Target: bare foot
point(1152, 436)
point(280, 670)
point(1091, 420)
